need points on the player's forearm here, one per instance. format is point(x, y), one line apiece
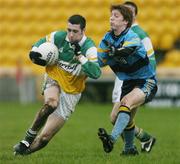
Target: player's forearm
point(91, 69)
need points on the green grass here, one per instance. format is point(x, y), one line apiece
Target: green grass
point(77, 142)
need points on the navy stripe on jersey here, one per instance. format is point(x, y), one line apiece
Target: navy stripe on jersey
point(130, 69)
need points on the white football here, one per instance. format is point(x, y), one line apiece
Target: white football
point(49, 52)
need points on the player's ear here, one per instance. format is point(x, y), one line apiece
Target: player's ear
point(83, 31)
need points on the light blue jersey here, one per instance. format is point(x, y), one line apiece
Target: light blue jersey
point(129, 67)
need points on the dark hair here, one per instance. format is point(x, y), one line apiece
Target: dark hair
point(78, 19)
point(129, 3)
point(126, 13)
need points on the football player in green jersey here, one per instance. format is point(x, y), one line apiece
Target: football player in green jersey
point(63, 84)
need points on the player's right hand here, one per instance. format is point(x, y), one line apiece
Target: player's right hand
point(36, 58)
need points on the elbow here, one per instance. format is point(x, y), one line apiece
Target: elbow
point(97, 74)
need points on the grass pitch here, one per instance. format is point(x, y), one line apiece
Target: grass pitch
point(77, 142)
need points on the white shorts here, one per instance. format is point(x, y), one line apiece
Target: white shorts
point(67, 104)
point(116, 93)
point(67, 101)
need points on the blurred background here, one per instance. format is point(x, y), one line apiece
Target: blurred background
point(23, 22)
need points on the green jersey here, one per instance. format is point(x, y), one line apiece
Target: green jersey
point(69, 72)
point(146, 42)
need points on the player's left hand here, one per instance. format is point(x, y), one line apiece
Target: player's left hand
point(77, 48)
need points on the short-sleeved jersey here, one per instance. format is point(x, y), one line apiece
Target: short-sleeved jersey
point(129, 67)
point(146, 42)
point(69, 72)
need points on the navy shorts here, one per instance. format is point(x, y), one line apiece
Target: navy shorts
point(148, 86)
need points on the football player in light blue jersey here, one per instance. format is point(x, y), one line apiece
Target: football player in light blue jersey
point(132, 63)
point(123, 51)
point(147, 141)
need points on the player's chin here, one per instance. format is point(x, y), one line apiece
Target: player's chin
point(73, 40)
point(112, 27)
